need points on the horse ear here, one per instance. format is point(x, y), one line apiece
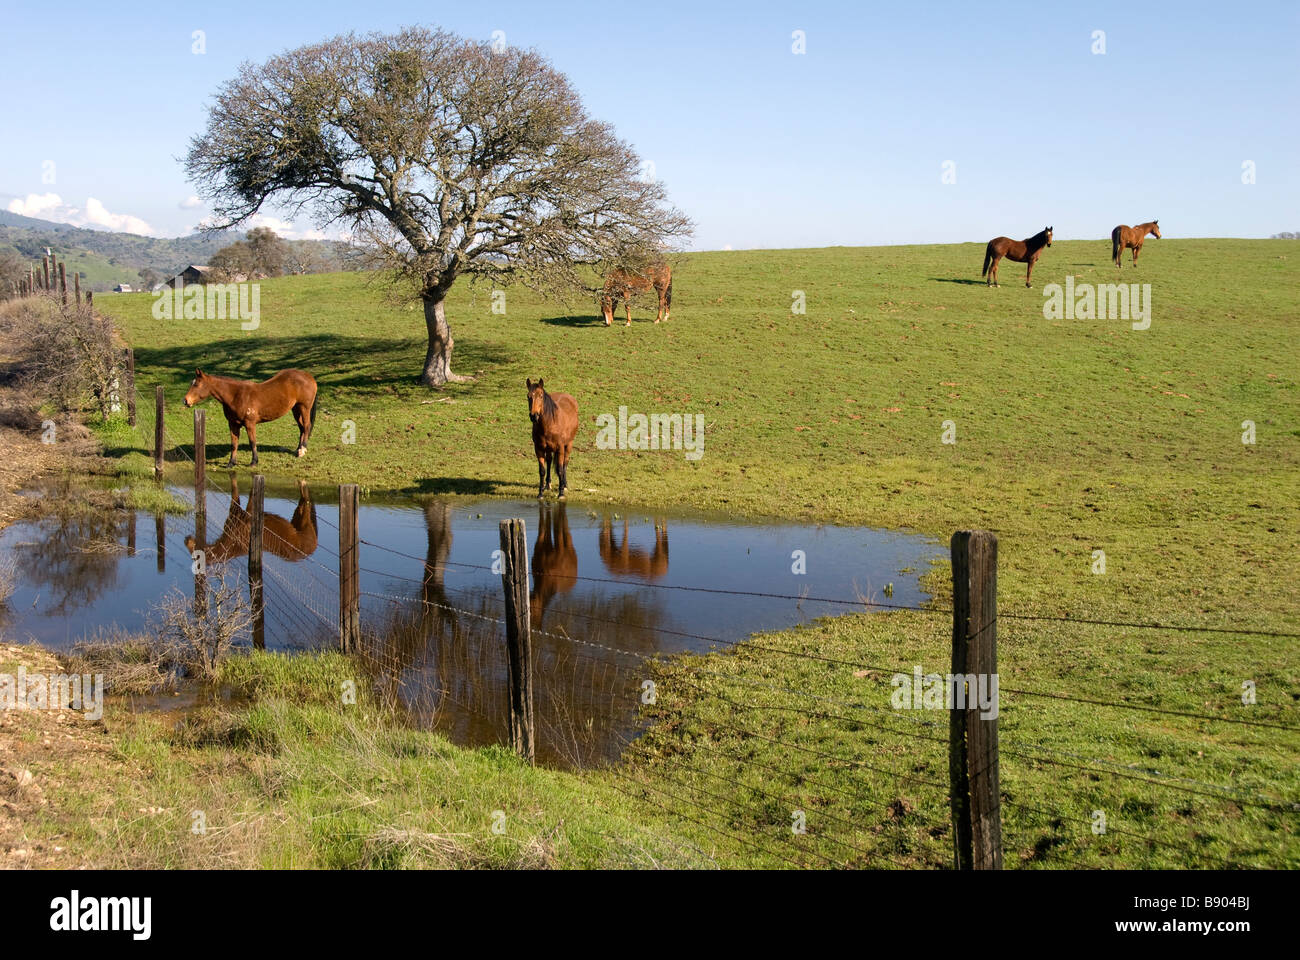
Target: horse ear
point(1156, 222)
point(539, 383)
point(198, 372)
point(528, 381)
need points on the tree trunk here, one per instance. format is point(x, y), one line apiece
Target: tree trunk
point(437, 360)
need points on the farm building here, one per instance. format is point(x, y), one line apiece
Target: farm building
point(194, 273)
point(123, 288)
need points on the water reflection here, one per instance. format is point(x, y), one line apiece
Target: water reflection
point(293, 539)
point(603, 596)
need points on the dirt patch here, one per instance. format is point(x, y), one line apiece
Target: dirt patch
point(40, 751)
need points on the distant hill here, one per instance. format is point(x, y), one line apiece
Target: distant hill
point(106, 259)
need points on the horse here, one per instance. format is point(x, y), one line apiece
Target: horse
point(1021, 251)
point(624, 559)
point(555, 424)
point(292, 540)
point(621, 284)
point(1124, 236)
point(555, 561)
point(246, 404)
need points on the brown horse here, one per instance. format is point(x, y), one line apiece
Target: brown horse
point(246, 404)
point(555, 424)
point(622, 558)
point(293, 539)
point(622, 284)
point(1021, 251)
point(555, 561)
point(1124, 236)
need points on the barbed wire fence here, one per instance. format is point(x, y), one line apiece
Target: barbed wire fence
point(755, 748)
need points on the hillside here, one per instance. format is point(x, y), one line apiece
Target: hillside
point(106, 258)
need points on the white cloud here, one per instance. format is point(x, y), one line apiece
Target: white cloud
point(36, 205)
point(50, 206)
point(189, 203)
point(97, 214)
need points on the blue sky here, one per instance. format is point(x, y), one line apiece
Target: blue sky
point(843, 144)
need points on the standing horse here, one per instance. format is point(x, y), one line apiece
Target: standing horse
point(555, 424)
point(555, 561)
point(1124, 236)
point(1021, 251)
point(621, 284)
point(246, 404)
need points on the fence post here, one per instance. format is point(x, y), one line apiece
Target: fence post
point(519, 643)
point(200, 510)
point(349, 571)
point(76, 289)
point(45, 265)
point(160, 540)
point(130, 381)
point(972, 737)
point(158, 432)
point(63, 283)
point(255, 517)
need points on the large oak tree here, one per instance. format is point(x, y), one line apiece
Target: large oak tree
point(450, 157)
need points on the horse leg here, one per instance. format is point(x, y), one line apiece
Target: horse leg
point(541, 475)
point(1030, 272)
point(993, 271)
point(562, 458)
point(252, 441)
point(550, 461)
point(234, 443)
point(627, 309)
point(1136, 249)
point(301, 415)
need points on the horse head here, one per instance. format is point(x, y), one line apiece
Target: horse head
point(1048, 231)
point(1155, 229)
point(200, 388)
point(536, 399)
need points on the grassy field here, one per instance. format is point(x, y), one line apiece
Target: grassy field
point(1072, 436)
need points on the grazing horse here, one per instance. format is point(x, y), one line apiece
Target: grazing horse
point(622, 284)
point(555, 424)
point(555, 561)
point(292, 540)
point(1124, 236)
point(246, 404)
point(1021, 251)
point(622, 558)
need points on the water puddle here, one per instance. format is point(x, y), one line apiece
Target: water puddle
point(610, 586)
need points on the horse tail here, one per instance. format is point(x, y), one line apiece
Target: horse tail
point(988, 257)
point(1115, 236)
point(668, 293)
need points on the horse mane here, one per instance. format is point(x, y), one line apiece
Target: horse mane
point(549, 409)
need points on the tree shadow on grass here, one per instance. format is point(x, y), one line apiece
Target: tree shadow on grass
point(335, 361)
point(575, 321)
point(465, 486)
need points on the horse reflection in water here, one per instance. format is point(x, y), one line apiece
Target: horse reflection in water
point(623, 559)
point(293, 539)
point(555, 562)
point(441, 656)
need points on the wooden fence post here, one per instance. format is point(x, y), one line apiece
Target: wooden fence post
point(63, 283)
point(158, 432)
point(76, 289)
point(519, 642)
point(160, 540)
point(972, 731)
point(45, 265)
point(200, 510)
point(130, 381)
point(349, 571)
point(256, 522)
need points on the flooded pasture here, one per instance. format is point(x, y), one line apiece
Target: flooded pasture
point(610, 587)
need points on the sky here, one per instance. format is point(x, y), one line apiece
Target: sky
point(897, 123)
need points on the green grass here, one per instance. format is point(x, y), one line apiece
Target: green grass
point(1072, 436)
